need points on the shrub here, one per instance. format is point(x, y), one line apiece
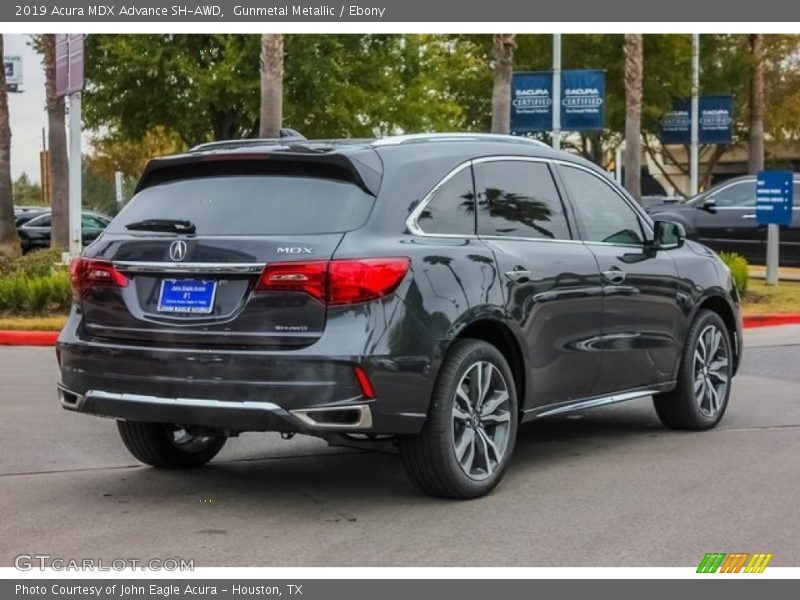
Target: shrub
point(38, 263)
point(21, 294)
point(739, 270)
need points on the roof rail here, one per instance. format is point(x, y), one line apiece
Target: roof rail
point(286, 135)
point(396, 140)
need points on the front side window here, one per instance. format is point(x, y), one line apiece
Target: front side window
point(738, 195)
point(452, 208)
point(519, 199)
point(603, 214)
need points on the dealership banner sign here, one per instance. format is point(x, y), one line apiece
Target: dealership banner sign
point(583, 94)
point(715, 124)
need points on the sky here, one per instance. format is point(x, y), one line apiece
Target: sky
point(27, 109)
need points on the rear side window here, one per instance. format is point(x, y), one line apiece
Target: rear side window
point(519, 199)
point(452, 208)
point(252, 205)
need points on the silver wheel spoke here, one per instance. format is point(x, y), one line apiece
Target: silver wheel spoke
point(467, 440)
point(491, 405)
point(484, 452)
point(460, 415)
point(498, 417)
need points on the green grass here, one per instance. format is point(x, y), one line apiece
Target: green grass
point(48, 323)
point(764, 299)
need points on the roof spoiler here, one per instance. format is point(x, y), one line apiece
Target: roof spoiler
point(364, 169)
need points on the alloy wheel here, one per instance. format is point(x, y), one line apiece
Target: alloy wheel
point(711, 371)
point(481, 420)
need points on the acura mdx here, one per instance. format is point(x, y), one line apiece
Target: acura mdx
point(425, 293)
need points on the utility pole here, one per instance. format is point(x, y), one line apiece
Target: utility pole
point(557, 91)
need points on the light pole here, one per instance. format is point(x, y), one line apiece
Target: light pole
point(694, 157)
point(557, 91)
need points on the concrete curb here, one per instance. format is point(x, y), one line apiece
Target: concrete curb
point(28, 338)
point(48, 338)
point(770, 320)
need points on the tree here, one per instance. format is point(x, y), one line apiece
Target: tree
point(57, 142)
point(634, 67)
point(271, 113)
point(503, 54)
point(26, 193)
point(9, 240)
point(755, 152)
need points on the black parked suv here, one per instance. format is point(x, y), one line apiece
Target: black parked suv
point(425, 292)
point(724, 218)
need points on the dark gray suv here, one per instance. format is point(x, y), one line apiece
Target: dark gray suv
point(426, 293)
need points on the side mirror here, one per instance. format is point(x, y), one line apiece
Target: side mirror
point(709, 204)
point(668, 235)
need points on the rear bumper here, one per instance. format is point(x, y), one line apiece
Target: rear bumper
point(311, 390)
point(227, 415)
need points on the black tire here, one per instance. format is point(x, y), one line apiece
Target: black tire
point(681, 408)
point(430, 457)
point(154, 444)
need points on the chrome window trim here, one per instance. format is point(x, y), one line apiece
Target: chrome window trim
point(414, 228)
point(411, 220)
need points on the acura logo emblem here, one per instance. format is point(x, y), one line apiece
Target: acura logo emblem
point(177, 250)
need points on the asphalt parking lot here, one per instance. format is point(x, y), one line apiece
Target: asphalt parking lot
point(609, 487)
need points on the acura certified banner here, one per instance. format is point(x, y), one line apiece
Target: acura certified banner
point(582, 101)
point(715, 125)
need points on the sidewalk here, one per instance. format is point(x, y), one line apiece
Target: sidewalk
point(784, 273)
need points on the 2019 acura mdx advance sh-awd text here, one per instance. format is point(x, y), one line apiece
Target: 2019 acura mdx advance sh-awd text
point(430, 292)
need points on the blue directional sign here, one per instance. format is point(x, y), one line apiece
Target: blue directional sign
point(774, 197)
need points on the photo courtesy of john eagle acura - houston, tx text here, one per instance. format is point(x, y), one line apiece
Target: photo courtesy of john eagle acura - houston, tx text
point(422, 294)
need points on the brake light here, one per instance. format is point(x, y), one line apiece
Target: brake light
point(308, 277)
point(87, 273)
point(364, 279)
point(346, 281)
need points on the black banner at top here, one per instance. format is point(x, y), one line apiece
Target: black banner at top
point(497, 11)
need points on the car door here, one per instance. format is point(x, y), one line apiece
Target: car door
point(36, 232)
point(730, 224)
point(553, 293)
point(641, 317)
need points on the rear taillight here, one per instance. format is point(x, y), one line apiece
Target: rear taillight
point(308, 277)
point(346, 281)
point(87, 273)
point(364, 279)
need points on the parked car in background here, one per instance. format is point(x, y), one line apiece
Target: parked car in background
point(34, 233)
point(423, 293)
point(724, 218)
point(23, 214)
point(649, 202)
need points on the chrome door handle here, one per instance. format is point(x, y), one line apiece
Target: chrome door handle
point(750, 217)
point(518, 275)
point(615, 275)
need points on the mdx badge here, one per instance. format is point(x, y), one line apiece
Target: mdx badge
point(294, 250)
point(177, 250)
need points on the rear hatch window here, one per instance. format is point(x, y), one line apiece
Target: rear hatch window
point(252, 205)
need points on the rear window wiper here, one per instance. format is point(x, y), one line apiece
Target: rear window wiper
point(171, 225)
